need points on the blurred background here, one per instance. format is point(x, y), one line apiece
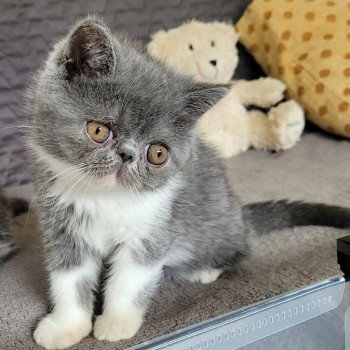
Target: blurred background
point(28, 28)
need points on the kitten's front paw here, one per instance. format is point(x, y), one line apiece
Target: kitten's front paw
point(53, 333)
point(114, 328)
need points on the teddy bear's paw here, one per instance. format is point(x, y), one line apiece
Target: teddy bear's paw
point(288, 123)
point(267, 91)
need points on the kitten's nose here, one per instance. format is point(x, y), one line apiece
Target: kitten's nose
point(126, 157)
point(213, 62)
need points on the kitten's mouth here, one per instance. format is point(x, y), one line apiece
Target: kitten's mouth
point(120, 171)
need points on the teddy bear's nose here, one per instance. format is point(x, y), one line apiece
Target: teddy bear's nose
point(213, 62)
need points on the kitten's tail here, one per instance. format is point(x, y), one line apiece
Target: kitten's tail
point(8, 247)
point(265, 217)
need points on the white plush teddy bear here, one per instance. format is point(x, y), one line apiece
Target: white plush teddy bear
point(208, 53)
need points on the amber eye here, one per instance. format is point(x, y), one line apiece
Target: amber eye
point(97, 131)
point(157, 154)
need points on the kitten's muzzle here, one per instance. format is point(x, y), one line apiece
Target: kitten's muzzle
point(126, 157)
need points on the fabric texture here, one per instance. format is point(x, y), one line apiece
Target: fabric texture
point(315, 170)
point(305, 44)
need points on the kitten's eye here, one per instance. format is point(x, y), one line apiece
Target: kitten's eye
point(212, 43)
point(98, 132)
point(157, 154)
point(190, 46)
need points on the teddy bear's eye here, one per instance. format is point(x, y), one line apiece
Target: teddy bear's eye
point(212, 43)
point(190, 46)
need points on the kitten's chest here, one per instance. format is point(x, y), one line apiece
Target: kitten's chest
point(120, 217)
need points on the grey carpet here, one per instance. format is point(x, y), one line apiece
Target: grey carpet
point(317, 169)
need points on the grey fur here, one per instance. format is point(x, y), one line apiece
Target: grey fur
point(265, 217)
point(113, 82)
point(9, 207)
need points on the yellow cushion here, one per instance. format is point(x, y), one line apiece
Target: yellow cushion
point(305, 43)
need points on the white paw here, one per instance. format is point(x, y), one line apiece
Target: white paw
point(205, 276)
point(52, 333)
point(268, 91)
point(288, 123)
point(114, 328)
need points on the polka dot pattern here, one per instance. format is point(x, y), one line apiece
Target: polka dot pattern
point(308, 47)
point(331, 18)
point(306, 36)
point(310, 16)
point(326, 53)
point(319, 88)
point(286, 35)
point(328, 36)
point(323, 110)
point(324, 73)
point(288, 15)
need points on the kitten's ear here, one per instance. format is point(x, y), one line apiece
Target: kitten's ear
point(89, 50)
point(202, 97)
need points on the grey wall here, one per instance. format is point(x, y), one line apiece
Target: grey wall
point(28, 28)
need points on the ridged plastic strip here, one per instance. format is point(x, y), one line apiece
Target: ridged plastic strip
point(239, 328)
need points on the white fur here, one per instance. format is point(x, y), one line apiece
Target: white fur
point(68, 323)
point(228, 126)
point(117, 215)
point(122, 317)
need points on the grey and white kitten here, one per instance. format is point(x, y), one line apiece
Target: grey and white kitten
point(9, 208)
point(121, 177)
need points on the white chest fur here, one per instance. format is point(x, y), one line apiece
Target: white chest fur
point(122, 216)
point(119, 215)
point(106, 217)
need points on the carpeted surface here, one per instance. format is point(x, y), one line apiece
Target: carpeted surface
point(315, 170)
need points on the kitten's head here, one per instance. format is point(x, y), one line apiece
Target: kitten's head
point(103, 109)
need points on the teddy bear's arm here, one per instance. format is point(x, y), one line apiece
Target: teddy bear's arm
point(263, 92)
point(231, 129)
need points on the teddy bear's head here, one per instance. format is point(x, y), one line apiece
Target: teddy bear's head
point(206, 51)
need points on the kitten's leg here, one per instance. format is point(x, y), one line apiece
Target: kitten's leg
point(128, 289)
point(72, 296)
point(204, 276)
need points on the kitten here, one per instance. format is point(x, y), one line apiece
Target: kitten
point(121, 176)
point(9, 207)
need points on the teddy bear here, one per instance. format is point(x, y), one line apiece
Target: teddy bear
point(208, 53)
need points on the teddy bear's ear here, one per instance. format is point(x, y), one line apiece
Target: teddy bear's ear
point(202, 97)
point(159, 43)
